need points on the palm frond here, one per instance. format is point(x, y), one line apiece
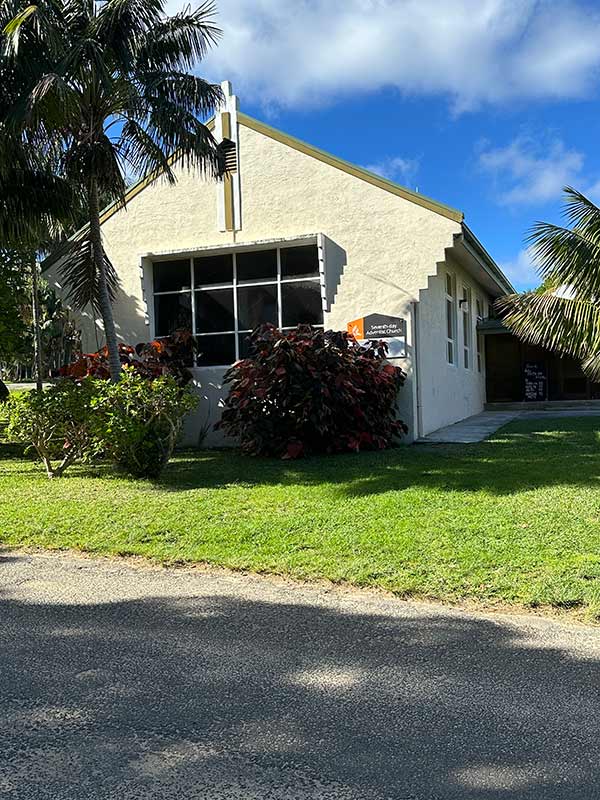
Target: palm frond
point(566, 256)
point(32, 203)
point(123, 24)
point(563, 323)
point(96, 156)
point(582, 213)
point(49, 101)
point(181, 132)
point(13, 28)
point(179, 42)
point(77, 268)
point(591, 366)
point(570, 255)
point(189, 92)
point(37, 23)
point(141, 152)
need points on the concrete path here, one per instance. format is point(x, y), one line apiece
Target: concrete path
point(480, 426)
point(473, 429)
point(126, 683)
point(18, 387)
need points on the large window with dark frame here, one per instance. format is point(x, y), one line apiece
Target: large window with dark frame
point(221, 297)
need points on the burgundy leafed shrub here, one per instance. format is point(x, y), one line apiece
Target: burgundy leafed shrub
point(309, 391)
point(171, 355)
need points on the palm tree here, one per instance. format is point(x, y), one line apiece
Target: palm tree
point(35, 202)
point(564, 313)
point(117, 97)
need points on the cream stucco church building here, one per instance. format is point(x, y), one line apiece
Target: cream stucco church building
point(295, 235)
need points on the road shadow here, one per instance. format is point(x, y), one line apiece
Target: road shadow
point(219, 697)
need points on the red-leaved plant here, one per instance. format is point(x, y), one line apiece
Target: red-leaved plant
point(171, 355)
point(311, 391)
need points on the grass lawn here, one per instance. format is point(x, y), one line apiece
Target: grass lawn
point(515, 519)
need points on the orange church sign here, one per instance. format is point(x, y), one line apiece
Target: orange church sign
point(377, 326)
point(381, 327)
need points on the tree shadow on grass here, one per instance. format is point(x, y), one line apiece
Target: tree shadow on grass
point(217, 696)
point(526, 455)
point(14, 451)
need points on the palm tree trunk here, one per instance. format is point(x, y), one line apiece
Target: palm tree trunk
point(114, 362)
point(37, 332)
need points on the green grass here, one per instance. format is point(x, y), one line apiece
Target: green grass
point(514, 520)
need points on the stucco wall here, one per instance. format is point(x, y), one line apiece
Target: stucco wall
point(448, 392)
point(389, 248)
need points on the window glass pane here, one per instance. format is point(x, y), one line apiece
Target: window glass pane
point(299, 262)
point(301, 303)
point(172, 312)
point(466, 331)
point(171, 276)
point(216, 351)
point(256, 304)
point(213, 269)
point(449, 313)
point(257, 265)
point(246, 349)
point(449, 285)
point(214, 310)
point(466, 359)
point(450, 353)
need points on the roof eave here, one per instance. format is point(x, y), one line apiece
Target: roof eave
point(485, 260)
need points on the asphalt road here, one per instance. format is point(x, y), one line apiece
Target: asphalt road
point(123, 682)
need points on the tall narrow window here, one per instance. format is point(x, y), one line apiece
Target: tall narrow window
point(467, 320)
point(479, 305)
point(450, 319)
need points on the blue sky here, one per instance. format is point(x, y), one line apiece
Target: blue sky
point(490, 106)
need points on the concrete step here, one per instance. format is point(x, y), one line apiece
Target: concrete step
point(546, 405)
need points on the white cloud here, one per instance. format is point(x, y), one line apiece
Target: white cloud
point(395, 168)
point(521, 271)
point(527, 171)
point(291, 53)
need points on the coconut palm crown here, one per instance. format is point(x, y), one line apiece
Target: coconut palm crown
point(116, 96)
point(564, 314)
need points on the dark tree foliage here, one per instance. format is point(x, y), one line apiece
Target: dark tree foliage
point(109, 87)
point(15, 338)
point(309, 391)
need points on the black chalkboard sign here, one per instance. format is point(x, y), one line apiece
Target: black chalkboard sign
point(535, 380)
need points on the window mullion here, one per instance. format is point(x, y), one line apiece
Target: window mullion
point(236, 323)
point(279, 310)
point(194, 328)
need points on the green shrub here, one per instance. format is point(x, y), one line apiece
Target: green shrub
point(137, 421)
point(3, 421)
point(55, 422)
point(311, 391)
